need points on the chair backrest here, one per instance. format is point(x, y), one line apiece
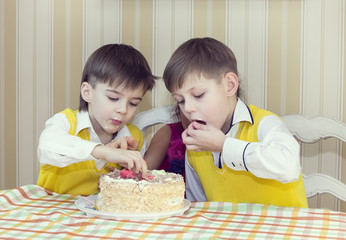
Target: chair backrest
point(154, 116)
point(158, 115)
point(311, 130)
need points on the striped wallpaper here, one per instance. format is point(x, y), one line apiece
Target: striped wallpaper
point(291, 58)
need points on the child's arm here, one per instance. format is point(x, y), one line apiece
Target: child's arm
point(157, 149)
point(129, 159)
point(274, 156)
point(58, 148)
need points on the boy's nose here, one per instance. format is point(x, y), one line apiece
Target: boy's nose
point(121, 108)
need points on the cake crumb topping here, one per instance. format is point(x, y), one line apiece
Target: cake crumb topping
point(154, 176)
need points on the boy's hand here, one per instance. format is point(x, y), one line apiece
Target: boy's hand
point(199, 137)
point(128, 143)
point(129, 159)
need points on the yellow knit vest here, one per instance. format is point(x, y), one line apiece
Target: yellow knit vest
point(228, 185)
point(78, 178)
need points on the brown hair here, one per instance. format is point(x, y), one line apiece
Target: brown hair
point(117, 64)
point(205, 56)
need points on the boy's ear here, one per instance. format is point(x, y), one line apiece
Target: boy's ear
point(85, 90)
point(231, 84)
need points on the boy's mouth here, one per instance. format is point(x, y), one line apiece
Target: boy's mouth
point(116, 122)
point(200, 122)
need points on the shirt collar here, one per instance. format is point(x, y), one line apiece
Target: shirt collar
point(83, 121)
point(241, 113)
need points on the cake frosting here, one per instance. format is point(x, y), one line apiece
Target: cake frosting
point(125, 192)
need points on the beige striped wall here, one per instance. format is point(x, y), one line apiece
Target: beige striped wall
point(291, 56)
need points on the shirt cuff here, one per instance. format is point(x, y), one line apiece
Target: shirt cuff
point(100, 163)
point(233, 154)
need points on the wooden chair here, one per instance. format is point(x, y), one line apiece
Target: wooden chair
point(312, 130)
point(152, 117)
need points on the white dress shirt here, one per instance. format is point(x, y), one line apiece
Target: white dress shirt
point(274, 156)
point(58, 148)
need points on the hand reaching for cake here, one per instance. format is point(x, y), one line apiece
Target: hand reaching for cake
point(129, 159)
point(127, 142)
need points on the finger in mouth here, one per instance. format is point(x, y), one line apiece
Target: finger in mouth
point(200, 122)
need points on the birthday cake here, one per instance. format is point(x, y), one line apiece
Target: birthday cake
point(124, 192)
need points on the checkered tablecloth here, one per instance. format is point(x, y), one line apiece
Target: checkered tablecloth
point(29, 212)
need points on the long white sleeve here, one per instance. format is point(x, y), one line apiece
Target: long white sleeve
point(274, 156)
point(58, 148)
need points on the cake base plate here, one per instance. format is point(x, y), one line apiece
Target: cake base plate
point(86, 205)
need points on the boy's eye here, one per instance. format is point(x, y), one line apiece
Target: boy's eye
point(134, 104)
point(113, 99)
point(199, 95)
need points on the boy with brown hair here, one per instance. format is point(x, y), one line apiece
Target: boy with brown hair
point(235, 152)
point(76, 147)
